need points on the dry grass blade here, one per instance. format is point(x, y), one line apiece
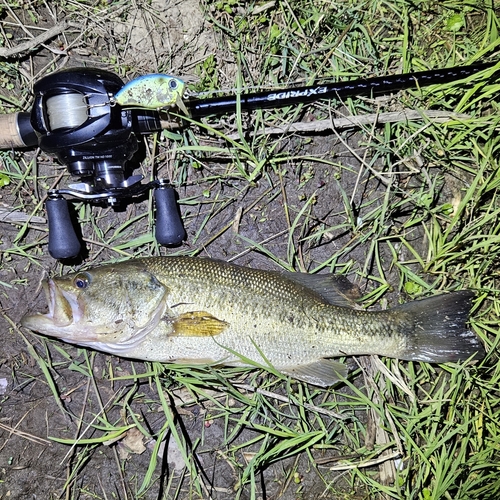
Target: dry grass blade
point(24, 435)
point(386, 457)
point(435, 116)
point(284, 399)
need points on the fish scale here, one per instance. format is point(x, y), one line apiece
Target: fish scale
point(194, 310)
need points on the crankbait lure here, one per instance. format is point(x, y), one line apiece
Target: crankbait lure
point(155, 91)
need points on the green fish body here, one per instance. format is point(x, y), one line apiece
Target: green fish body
point(194, 310)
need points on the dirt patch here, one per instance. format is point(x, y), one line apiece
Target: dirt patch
point(165, 37)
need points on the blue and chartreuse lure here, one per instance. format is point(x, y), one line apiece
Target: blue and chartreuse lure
point(155, 91)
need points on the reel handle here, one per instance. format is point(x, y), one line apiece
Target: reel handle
point(16, 131)
point(169, 229)
point(63, 242)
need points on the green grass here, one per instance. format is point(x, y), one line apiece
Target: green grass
point(405, 209)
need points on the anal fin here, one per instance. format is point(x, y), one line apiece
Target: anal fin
point(324, 372)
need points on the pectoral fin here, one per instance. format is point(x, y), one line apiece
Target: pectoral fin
point(324, 372)
point(198, 324)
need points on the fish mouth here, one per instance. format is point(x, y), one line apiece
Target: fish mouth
point(64, 311)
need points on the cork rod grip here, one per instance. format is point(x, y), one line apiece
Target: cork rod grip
point(16, 131)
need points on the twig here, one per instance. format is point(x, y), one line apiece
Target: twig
point(368, 463)
point(8, 214)
point(25, 435)
point(360, 120)
point(19, 49)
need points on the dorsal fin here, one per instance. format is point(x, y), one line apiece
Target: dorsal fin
point(333, 289)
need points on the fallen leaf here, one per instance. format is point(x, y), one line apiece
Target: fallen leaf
point(132, 443)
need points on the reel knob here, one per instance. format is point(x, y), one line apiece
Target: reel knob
point(169, 229)
point(63, 242)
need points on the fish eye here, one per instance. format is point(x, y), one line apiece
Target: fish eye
point(172, 84)
point(81, 281)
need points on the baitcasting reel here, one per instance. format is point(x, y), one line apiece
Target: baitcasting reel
point(74, 118)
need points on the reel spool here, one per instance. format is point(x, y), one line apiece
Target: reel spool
point(74, 120)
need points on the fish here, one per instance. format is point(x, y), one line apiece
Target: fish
point(155, 91)
point(201, 311)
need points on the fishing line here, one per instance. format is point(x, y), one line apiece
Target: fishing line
point(67, 110)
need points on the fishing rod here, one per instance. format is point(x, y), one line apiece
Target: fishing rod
point(92, 122)
point(199, 108)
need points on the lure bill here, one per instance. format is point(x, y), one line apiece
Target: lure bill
point(155, 91)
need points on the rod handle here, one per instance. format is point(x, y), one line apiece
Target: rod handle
point(169, 229)
point(16, 131)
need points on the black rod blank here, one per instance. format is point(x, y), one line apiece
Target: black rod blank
point(301, 95)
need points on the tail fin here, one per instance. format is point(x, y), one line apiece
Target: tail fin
point(436, 329)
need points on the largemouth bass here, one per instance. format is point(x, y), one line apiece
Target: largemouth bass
point(194, 310)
